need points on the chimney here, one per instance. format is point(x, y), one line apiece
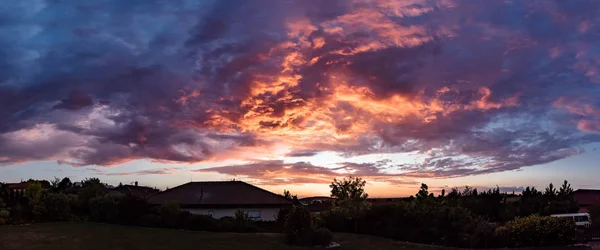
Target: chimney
point(136, 183)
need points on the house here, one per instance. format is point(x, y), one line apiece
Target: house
point(135, 190)
point(586, 198)
point(223, 198)
point(25, 184)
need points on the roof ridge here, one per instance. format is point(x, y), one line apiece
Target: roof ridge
point(168, 190)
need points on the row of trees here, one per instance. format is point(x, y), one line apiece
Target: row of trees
point(466, 218)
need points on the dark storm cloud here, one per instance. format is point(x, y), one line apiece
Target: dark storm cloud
point(475, 86)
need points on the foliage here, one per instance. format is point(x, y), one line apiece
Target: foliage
point(350, 198)
point(92, 188)
point(594, 212)
point(536, 230)
point(104, 208)
point(484, 236)
point(131, 209)
point(241, 216)
point(289, 196)
point(4, 213)
point(33, 193)
point(61, 185)
point(58, 206)
point(298, 229)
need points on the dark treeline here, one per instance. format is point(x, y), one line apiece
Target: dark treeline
point(496, 206)
point(463, 218)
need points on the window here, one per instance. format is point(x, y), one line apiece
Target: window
point(253, 214)
point(210, 213)
point(581, 218)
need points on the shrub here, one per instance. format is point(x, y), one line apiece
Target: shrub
point(58, 206)
point(16, 214)
point(150, 220)
point(502, 237)
point(104, 208)
point(483, 235)
point(202, 223)
point(170, 215)
point(322, 237)
point(4, 213)
point(131, 209)
point(536, 230)
point(297, 228)
point(281, 216)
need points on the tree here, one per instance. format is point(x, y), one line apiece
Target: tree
point(565, 191)
point(423, 193)
point(92, 188)
point(61, 185)
point(350, 197)
point(33, 193)
point(550, 192)
point(289, 195)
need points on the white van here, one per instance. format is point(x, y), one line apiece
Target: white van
point(580, 219)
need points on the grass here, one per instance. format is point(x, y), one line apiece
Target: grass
point(93, 236)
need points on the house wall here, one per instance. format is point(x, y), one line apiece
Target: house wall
point(266, 214)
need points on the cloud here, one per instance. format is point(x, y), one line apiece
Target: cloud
point(472, 87)
point(277, 172)
point(158, 171)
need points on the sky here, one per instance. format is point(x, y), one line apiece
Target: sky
point(290, 94)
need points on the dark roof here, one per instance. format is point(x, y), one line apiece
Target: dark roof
point(586, 197)
point(138, 191)
point(22, 185)
point(220, 193)
point(25, 184)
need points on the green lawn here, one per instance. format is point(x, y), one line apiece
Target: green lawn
point(92, 236)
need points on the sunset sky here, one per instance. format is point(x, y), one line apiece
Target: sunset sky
point(289, 94)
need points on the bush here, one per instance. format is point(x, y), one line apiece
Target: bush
point(131, 209)
point(16, 214)
point(58, 206)
point(150, 220)
point(483, 235)
point(4, 213)
point(297, 228)
point(536, 230)
point(104, 208)
point(202, 223)
point(322, 237)
point(502, 237)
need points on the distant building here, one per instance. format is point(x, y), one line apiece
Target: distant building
point(135, 190)
point(586, 198)
point(224, 198)
point(25, 184)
